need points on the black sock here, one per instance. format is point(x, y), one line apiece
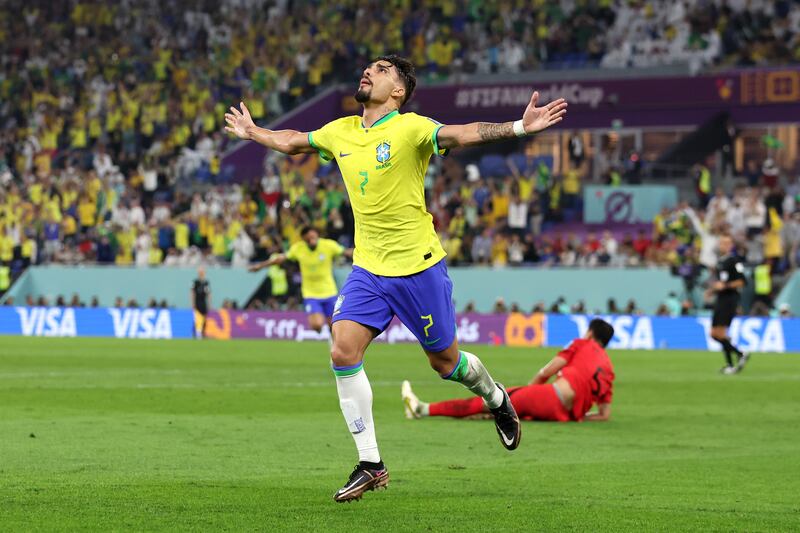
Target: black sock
point(726, 347)
point(371, 466)
point(730, 347)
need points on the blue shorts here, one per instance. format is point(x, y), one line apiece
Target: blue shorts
point(422, 301)
point(319, 305)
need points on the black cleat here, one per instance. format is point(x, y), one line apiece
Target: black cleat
point(507, 422)
point(361, 480)
point(742, 361)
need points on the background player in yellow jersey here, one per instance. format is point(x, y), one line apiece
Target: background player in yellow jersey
point(398, 260)
point(315, 256)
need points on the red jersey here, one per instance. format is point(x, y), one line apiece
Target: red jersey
point(589, 373)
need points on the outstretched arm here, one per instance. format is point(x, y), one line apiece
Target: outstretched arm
point(548, 370)
point(534, 120)
point(277, 260)
point(287, 141)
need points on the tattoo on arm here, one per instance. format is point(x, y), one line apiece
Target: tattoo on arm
point(489, 131)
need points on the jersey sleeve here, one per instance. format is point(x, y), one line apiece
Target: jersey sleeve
point(607, 396)
point(334, 247)
point(569, 352)
point(424, 133)
point(292, 253)
point(606, 385)
point(322, 140)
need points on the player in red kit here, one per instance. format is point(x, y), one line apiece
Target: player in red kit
point(584, 377)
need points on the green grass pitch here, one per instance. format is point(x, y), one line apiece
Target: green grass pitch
point(202, 435)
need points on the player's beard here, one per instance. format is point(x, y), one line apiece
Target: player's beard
point(362, 95)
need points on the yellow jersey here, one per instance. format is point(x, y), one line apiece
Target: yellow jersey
point(6, 248)
point(316, 267)
point(384, 170)
point(181, 236)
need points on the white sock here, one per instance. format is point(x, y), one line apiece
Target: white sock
point(471, 373)
point(355, 399)
point(424, 409)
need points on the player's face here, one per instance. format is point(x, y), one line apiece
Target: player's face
point(379, 82)
point(725, 245)
point(312, 239)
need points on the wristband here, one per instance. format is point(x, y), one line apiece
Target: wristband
point(519, 129)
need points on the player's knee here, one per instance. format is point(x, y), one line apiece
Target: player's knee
point(441, 367)
point(342, 356)
point(442, 363)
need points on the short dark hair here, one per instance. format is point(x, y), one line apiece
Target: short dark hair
point(306, 229)
point(602, 331)
point(405, 69)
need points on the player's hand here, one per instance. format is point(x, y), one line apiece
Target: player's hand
point(239, 122)
point(254, 268)
point(718, 286)
point(536, 119)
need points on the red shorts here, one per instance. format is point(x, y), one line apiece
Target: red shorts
point(532, 402)
point(538, 402)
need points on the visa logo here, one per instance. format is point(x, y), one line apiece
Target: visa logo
point(141, 323)
point(47, 321)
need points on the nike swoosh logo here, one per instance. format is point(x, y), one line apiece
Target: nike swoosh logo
point(344, 155)
point(428, 343)
point(508, 442)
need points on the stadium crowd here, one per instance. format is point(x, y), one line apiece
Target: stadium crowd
point(74, 215)
point(148, 81)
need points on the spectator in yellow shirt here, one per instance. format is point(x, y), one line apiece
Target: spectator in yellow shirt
point(28, 250)
point(457, 224)
point(125, 242)
point(181, 235)
point(219, 244)
point(499, 250)
point(6, 246)
point(500, 201)
point(248, 210)
point(87, 212)
point(69, 228)
point(69, 195)
point(571, 188)
point(773, 243)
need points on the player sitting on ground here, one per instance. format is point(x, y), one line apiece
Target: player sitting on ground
point(315, 256)
point(585, 377)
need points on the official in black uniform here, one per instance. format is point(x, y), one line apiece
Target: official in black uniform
point(201, 295)
point(729, 274)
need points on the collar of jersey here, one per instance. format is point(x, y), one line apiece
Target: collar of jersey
point(384, 118)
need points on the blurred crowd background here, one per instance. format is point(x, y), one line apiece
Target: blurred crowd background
point(111, 141)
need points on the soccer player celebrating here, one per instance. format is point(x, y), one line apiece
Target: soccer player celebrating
point(398, 260)
point(729, 274)
point(315, 256)
point(584, 377)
